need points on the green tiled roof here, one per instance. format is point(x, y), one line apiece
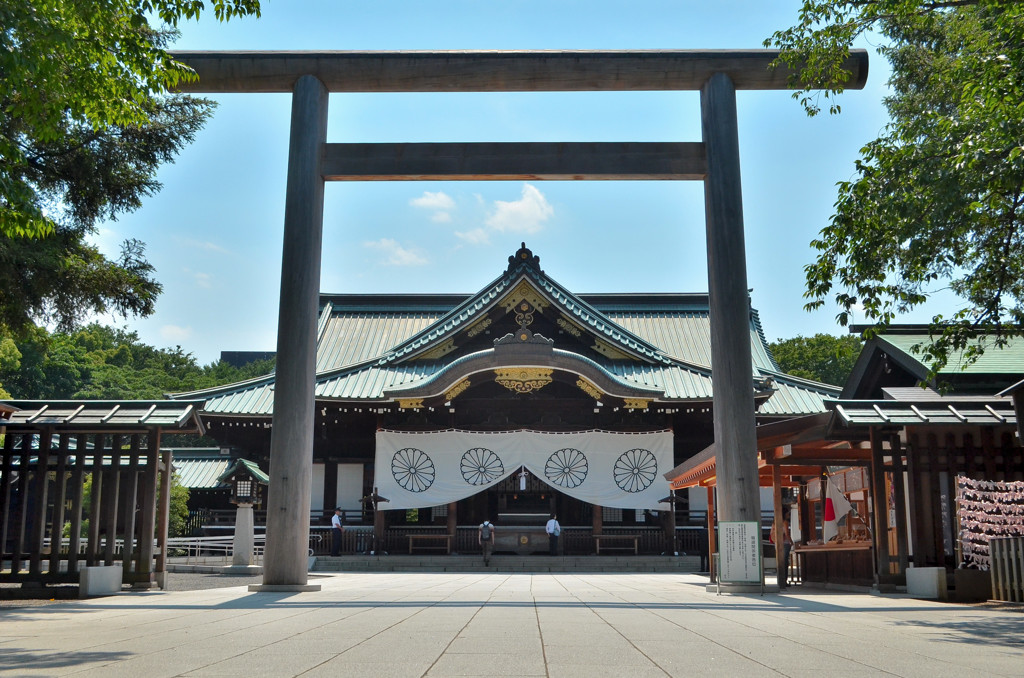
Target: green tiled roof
point(1006, 360)
point(366, 344)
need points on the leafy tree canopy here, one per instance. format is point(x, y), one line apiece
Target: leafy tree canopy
point(937, 199)
point(104, 363)
point(85, 122)
point(823, 357)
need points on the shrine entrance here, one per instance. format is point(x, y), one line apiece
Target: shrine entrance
point(310, 76)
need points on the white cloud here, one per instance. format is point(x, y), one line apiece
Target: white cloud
point(201, 279)
point(202, 245)
point(526, 215)
point(477, 236)
point(175, 333)
point(441, 204)
point(395, 254)
point(433, 201)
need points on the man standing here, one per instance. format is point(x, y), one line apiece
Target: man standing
point(485, 537)
point(336, 529)
point(553, 529)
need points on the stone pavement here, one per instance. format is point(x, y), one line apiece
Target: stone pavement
point(586, 625)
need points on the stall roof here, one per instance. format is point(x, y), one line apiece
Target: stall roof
point(104, 415)
point(798, 446)
point(928, 409)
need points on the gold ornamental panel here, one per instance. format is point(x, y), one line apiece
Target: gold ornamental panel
point(569, 327)
point(635, 404)
point(523, 379)
point(524, 291)
point(454, 391)
point(410, 403)
point(479, 327)
point(588, 388)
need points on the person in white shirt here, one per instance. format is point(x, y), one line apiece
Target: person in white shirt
point(336, 529)
point(553, 529)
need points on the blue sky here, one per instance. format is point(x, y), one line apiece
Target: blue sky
point(214, 232)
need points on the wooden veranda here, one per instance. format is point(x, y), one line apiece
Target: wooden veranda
point(83, 483)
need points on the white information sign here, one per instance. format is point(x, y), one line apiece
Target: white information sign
point(739, 551)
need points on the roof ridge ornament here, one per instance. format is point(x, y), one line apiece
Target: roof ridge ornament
point(524, 256)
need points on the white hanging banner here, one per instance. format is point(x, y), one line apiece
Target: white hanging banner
point(617, 470)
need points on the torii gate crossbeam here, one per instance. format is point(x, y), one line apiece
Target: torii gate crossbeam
point(310, 76)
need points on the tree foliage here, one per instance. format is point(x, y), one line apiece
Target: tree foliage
point(937, 200)
point(823, 357)
point(105, 363)
point(85, 121)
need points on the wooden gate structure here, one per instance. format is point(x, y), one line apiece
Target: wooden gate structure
point(311, 76)
point(93, 469)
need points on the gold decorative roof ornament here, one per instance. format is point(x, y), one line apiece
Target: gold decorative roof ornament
point(569, 327)
point(524, 291)
point(589, 388)
point(410, 403)
point(523, 379)
point(454, 391)
point(478, 327)
point(635, 404)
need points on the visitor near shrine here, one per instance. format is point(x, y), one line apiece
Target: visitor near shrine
point(336, 531)
point(485, 537)
point(553, 529)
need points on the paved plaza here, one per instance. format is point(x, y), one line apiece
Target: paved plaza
point(587, 625)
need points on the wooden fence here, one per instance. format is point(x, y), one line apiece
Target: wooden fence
point(1006, 555)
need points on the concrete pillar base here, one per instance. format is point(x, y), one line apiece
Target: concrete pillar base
point(242, 569)
point(283, 588)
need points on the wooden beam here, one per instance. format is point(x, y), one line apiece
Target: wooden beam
point(618, 161)
point(493, 71)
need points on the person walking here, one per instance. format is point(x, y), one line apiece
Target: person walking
point(485, 537)
point(553, 529)
point(336, 531)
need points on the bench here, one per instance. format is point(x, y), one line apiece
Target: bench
point(613, 538)
point(416, 541)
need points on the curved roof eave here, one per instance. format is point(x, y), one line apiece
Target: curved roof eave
point(556, 359)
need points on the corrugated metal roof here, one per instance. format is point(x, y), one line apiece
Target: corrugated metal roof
point(925, 412)
point(105, 414)
point(200, 473)
point(794, 396)
point(1006, 360)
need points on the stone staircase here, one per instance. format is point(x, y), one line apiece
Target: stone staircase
point(506, 563)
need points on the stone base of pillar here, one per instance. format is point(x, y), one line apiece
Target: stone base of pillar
point(242, 569)
point(741, 588)
point(283, 588)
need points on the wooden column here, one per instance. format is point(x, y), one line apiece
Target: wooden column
point(59, 498)
point(291, 442)
point(39, 495)
point(23, 491)
point(111, 495)
point(131, 497)
point(147, 531)
point(881, 508)
point(731, 365)
point(7, 471)
point(900, 497)
point(95, 502)
point(453, 519)
point(781, 567)
point(163, 517)
point(596, 519)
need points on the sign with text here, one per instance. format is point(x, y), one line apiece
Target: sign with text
point(739, 552)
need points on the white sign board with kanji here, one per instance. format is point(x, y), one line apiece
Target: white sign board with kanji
point(739, 551)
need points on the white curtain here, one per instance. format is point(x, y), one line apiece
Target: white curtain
point(620, 470)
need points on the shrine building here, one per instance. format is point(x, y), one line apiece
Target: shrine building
point(521, 400)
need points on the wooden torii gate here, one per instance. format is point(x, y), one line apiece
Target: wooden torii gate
point(311, 76)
